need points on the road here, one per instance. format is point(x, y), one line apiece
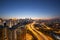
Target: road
point(39, 35)
point(45, 26)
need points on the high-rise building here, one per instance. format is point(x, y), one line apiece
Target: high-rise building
point(1, 33)
point(5, 29)
point(1, 21)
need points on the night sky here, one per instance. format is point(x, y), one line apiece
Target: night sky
point(29, 8)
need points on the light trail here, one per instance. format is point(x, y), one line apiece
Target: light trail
point(39, 35)
point(35, 34)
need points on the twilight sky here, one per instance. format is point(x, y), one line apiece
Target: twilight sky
point(29, 8)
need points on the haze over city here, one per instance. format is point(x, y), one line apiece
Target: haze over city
point(29, 9)
point(29, 19)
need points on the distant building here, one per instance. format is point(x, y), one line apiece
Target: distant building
point(1, 21)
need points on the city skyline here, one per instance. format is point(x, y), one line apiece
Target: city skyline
point(43, 9)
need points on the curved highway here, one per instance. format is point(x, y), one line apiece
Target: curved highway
point(39, 35)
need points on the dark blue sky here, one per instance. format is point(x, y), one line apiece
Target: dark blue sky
point(29, 8)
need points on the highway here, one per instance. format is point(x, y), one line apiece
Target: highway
point(46, 27)
point(39, 35)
